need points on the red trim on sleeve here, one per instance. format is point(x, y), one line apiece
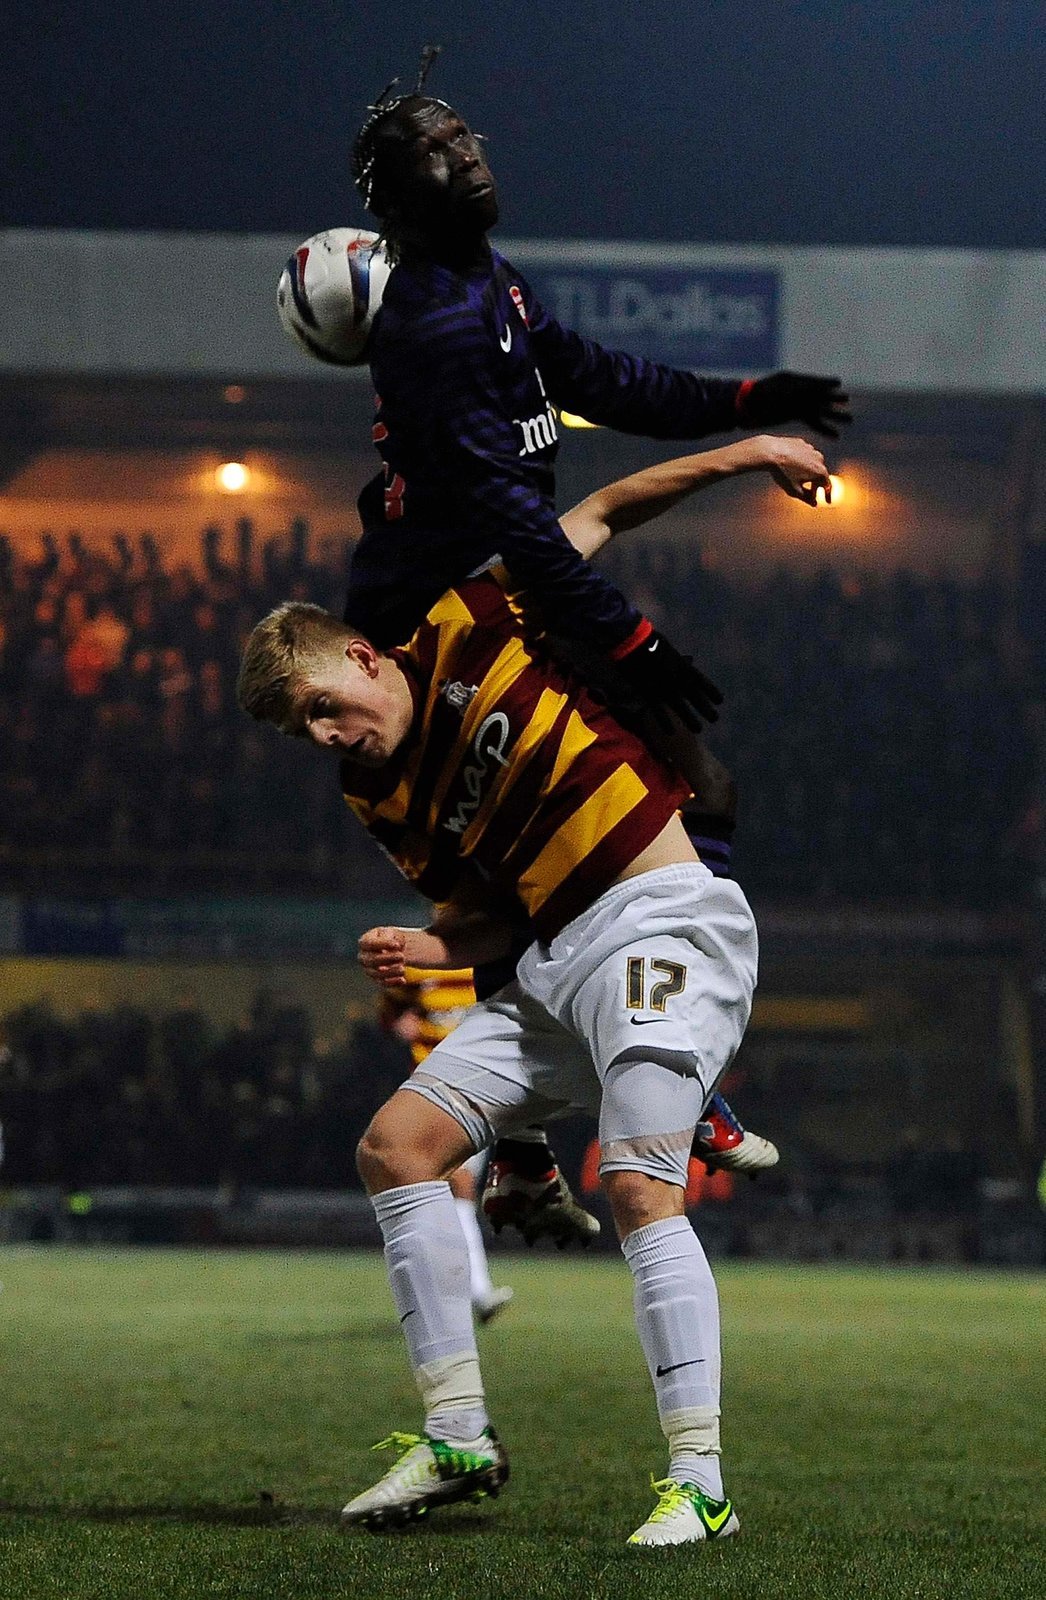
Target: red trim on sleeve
point(642, 631)
point(743, 391)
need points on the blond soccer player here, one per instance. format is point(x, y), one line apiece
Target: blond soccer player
point(508, 794)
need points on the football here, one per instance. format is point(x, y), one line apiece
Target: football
point(329, 292)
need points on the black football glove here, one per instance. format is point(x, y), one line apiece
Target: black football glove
point(665, 681)
point(794, 397)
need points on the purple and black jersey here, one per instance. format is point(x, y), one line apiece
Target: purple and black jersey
point(467, 368)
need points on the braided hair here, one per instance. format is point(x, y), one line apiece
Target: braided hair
point(368, 143)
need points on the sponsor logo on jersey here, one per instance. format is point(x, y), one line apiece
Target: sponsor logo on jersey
point(539, 433)
point(488, 746)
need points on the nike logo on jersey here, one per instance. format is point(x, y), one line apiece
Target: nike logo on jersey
point(641, 1022)
point(698, 1361)
point(505, 339)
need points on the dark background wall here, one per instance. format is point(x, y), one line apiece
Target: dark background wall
point(893, 122)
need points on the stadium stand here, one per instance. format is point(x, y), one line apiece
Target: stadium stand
point(883, 742)
point(121, 1095)
point(134, 1124)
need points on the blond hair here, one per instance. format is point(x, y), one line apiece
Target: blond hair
point(281, 651)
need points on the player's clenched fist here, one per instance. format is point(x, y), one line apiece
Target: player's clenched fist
point(382, 953)
point(385, 952)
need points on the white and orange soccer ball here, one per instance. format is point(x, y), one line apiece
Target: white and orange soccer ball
point(330, 291)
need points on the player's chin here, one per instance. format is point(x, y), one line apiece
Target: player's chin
point(370, 754)
point(479, 210)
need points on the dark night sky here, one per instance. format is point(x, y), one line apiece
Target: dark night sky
point(895, 122)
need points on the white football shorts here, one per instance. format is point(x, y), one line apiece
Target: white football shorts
point(632, 1013)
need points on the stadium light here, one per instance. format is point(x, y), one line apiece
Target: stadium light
point(232, 477)
point(838, 492)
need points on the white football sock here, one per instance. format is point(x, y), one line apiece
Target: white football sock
point(677, 1318)
point(479, 1272)
point(428, 1267)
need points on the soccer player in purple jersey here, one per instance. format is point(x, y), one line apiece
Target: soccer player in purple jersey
point(468, 369)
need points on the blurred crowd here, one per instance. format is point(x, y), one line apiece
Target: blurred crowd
point(122, 1095)
point(124, 761)
point(883, 747)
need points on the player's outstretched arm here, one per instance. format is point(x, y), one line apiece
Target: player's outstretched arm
point(797, 466)
point(821, 403)
point(642, 396)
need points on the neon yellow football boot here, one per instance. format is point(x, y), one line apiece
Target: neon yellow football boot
point(684, 1515)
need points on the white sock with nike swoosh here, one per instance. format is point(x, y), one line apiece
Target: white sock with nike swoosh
point(677, 1318)
point(428, 1267)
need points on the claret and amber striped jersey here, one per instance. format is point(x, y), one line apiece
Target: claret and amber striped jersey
point(510, 766)
point(442, 998)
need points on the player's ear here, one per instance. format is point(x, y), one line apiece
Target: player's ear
point(363, 654)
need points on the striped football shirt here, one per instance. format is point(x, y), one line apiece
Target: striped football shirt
point(511, 766)
point(443, 997)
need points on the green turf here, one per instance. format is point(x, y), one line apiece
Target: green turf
point(186, 1425)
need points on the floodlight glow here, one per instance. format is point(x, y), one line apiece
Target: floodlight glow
point(838, 492)
point(232, 477)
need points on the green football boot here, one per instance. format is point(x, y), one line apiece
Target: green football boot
point(684, 1515)
point(427, 1473)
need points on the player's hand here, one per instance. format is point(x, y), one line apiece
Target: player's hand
point(666, 682)
point(382, 953)
point(798, 467)
point(794, 397)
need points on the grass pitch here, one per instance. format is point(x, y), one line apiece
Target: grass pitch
point(180, 1424)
